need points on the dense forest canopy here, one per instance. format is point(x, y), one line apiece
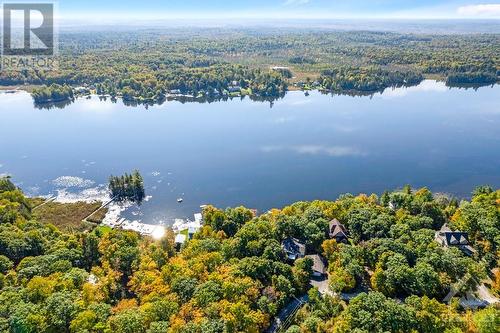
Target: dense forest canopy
point(233, 276)
point(211, 63)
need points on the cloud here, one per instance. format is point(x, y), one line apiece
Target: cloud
point(296, 2)
point(425, 86)
point(333, 151)
point(482, 10)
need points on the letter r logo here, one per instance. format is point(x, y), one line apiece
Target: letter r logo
point(28, 29)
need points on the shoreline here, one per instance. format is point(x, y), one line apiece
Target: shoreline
point(189, 98)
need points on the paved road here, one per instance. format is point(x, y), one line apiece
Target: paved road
point(287, 312)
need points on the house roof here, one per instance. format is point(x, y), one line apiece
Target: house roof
point(180, 239)
point(318, 263)
point(292, 245)
point(456, 238)
point(453, 237)
point(337, 229)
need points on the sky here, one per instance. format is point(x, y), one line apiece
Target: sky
point(279, 9)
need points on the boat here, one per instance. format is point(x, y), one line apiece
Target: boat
point(180, 200)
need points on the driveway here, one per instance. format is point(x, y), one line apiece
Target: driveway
point(322, 285)
point(485, 294)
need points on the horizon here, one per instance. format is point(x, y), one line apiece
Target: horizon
point(127, 11)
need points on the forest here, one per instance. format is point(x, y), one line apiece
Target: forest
point(234, 275)
point(149, 65)
point(52, 94)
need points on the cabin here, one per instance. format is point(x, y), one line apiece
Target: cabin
point(319, 265)
point(180, 239)
point(447, 238)
point(234, 89)
point(337, 231)
point(293, 248)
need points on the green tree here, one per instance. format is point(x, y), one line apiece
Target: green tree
point(128, 321)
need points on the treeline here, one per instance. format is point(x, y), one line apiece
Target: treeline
point(52, 93)
point(366, 79)
point(471, 78)
point(374, 312)
point(208, 82)
point(128, 187)
point(233, 276)
point(144, 66)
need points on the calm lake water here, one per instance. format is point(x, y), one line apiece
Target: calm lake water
point(248, 153)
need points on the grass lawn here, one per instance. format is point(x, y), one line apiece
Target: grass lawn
point(104, 229)
point(67, 216)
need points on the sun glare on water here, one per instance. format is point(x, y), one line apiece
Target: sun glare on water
point(158, 233)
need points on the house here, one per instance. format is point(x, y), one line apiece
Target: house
point(234, 89)
point(81, 90)
point(180, 239)
point(293, 248)
point(448, 238)
point(337, 231)
point(192, 229)
point(319, 266)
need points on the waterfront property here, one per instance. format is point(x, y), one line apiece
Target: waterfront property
point(337, 231)
point(448, 238)
point(184, 230)
point(319, 265)
point(293, 248)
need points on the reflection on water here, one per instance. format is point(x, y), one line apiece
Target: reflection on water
point(271, 99)
point(236, 152)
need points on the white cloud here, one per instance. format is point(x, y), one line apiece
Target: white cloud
point(482, 10)
point(333, 151)
point(296, 2)
point(425, 86)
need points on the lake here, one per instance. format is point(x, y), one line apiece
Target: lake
point(248, 153)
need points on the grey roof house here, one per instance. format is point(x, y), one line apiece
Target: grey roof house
point(448, 238)
point(293, 248)
point(319, 265)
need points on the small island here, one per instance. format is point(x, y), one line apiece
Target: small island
point(128, 187)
